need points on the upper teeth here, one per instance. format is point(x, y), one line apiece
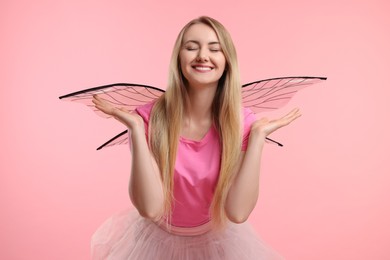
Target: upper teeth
point(203, 68)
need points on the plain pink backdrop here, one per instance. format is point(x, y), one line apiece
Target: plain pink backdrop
point(325, 195)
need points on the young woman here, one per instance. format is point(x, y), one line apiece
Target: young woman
point(195, 160)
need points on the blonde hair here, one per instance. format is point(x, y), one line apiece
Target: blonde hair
point(167, 113)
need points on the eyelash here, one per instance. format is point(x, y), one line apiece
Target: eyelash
point(194, 49)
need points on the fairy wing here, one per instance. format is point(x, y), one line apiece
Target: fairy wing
point(262, 95)
point(127, 95)
point(121, 138)
point(270, 94)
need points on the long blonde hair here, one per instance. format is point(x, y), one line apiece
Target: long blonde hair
point(167, 113)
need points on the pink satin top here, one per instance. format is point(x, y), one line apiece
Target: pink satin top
point(196, 173)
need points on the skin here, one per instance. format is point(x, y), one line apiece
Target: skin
point(244, 192)
point(202, 63)
point(145, 185)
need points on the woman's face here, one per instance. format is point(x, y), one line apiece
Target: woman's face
point(201, 58)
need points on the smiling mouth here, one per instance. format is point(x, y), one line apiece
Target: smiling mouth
point(202, 68)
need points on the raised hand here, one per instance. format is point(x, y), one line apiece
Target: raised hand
point(264, 126)
point(131, 120)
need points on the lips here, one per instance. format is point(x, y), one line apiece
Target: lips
point(202, 68)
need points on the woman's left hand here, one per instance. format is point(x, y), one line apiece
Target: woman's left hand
point(264, 126)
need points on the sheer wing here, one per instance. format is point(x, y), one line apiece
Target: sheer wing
point(262, 95)
point(121, 138)
point(125, 95)
point(270, 94)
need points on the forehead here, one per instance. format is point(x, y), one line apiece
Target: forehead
point(200, 33)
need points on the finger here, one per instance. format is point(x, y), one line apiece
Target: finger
point(98, 99)
point(288, 118)
point(104, 107)
point(292, 113)
point(291, 117)
point(96, 96)
point(96, 102)
point(102, 102)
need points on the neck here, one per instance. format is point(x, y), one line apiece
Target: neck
point(199, 107)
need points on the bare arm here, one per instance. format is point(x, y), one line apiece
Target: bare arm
point(243, 193)
point(145, 186)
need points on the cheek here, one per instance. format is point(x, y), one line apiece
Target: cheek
point(222, 63)
point(183, 66)
point(184, 60)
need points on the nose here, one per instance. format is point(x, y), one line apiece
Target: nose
point(202, 55)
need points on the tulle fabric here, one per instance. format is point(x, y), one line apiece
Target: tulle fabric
point(128, 236)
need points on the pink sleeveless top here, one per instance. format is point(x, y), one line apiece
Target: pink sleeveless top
point(196, 172)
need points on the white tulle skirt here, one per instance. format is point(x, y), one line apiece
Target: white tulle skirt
point(127, 235)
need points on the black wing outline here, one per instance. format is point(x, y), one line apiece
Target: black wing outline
point(127, 95)
point(260, 96)
point(270, 94)
point(121, 138)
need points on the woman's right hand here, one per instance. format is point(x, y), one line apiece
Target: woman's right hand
point(131, 120)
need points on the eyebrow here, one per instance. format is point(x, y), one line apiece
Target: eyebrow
point(193, 41)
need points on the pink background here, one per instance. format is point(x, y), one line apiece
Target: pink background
point(325, 195)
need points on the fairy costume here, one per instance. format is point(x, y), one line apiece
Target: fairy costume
point(129, 236)
point(190, 235)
